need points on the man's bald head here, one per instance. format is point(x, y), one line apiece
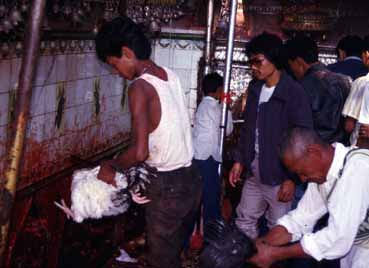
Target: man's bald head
point(297, 140)
point(304, 153)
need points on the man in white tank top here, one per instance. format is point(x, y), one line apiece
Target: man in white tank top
point(161, 137)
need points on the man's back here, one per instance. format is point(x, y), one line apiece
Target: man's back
point(170, 143)
point(328, 92)
point(352, 66)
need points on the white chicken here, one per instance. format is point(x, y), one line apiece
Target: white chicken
point(92, 198)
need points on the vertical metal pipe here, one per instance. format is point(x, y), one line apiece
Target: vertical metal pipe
point(209, 32)
point(24, 94)
point(227, 74)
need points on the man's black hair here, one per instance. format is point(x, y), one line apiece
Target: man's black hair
point(353, 45)
point(211, 83)
point(366, 43)
point(303, 47)
point(119, 32)
point(269, 45)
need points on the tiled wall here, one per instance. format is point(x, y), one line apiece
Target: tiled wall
point(182, 56)
point(70, 67)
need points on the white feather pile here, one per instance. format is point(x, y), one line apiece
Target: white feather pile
point(92, 198)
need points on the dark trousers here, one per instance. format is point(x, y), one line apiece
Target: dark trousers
point(211, 188)
point(175, 197)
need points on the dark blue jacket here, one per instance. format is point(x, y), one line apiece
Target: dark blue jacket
point(328, 92)
point(352, 67)
point(289, 106)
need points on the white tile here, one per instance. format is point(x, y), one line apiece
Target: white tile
point(43, 100)
point(15, 70)
point(193, 99)
point(106, 86)
point(70, 94)
point(61, 68)
point(72, 68)
point(194, 76)
point(48, 127)
point(3, 119)
point(103, 68)
point(196, 56)
point(162, 57)
point(112, 105)
point(80, 63)
point(117, 85)
point(5, 75)
point(3, 137)
point(94, 67)
point(90, 65)
point(35, 128)
point(4, 102)
point(45, 71)
point(79, 92)
point(184, 76)
point(69, 119)
point(50, 98)
point(85, 115)
point(182, 59)
point(37, 101)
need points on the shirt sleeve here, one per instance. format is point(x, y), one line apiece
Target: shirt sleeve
point(353, 101)
point(229, 123)
point(302, 220)
point(364, 111)
point(347, 208)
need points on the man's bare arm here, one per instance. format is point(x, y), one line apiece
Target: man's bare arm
point(277, 236)
point(138, 150)
point(267, 255)
point(349, 124)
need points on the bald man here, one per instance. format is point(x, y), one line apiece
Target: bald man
point(338, 183)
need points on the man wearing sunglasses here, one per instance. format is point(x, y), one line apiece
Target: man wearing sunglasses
point(275, 103)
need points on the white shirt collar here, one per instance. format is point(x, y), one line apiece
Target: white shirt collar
point(337, 163)
point(210, 98)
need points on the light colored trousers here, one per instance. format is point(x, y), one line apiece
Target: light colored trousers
point(258, 199)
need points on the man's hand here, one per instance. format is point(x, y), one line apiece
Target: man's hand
point(286, 191)
point(235, 173)
point(364, 131)
point(264, 257)
point(139, 199)
point(107, 173)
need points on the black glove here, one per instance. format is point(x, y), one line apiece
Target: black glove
point(225, 246)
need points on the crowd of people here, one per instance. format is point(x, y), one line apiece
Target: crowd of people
point(299, 148)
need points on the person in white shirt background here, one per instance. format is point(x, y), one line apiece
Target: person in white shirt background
point(338, 183)
point(356, 109)
point(206, 140)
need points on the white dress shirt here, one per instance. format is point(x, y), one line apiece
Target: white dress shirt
point(206, 130)
point(347, 207)
point(354, 103)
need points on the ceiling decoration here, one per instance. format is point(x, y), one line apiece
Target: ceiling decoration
point(153, 13)
point(62, 17)
point(12, 16)
point(307, 18)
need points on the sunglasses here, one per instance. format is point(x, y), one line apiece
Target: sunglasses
point(257, 62)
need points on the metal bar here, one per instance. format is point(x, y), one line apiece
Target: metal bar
point(24, 94)
point(228, 72)
point(209, 31)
